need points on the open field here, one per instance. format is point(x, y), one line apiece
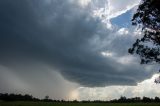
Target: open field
point(74, 104)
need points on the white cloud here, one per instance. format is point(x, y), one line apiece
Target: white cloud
point(146, 88)
point(112, 8)
point(123, 31)
point(108, 9)
point(107, 54)
point(84, 2)
point(118, 7)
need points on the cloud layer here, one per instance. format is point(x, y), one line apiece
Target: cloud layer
point(146, 88)
point(66, 37)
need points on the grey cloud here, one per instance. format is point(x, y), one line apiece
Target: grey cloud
point(64, 36)
point(39, 84)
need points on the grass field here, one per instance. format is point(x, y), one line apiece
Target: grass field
point(74, 104)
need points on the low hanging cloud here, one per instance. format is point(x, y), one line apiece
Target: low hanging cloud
point(115, 92)
point(66, 37)
point(41, 81)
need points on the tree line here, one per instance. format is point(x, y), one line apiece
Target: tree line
point(122, 99)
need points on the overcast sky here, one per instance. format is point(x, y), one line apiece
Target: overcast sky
point(71, 49)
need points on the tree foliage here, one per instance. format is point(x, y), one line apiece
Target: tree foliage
point(19, 97)
point(147, 19)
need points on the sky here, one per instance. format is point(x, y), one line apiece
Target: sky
point(72, 49)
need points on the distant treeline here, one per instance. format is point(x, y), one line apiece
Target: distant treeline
point(17, 97)
point(122, 99)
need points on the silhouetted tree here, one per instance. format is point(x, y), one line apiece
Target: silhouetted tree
point(17, 97)
point(146, 99)
point(157, 99)
point(122, 99)
point(147, 18)
point(46, 97)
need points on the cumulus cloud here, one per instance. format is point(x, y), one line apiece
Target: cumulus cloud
point(145, 88)
point(110, 9)
point(117, 7)
point(66, 37)
point(123, 31)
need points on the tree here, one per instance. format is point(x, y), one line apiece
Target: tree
point(46, 97)
point(147, 18)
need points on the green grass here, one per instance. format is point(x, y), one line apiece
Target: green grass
point(74, 104)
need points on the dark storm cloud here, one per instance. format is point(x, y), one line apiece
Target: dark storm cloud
point(64, 36)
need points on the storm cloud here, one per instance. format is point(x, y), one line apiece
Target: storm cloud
point(64, 36)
